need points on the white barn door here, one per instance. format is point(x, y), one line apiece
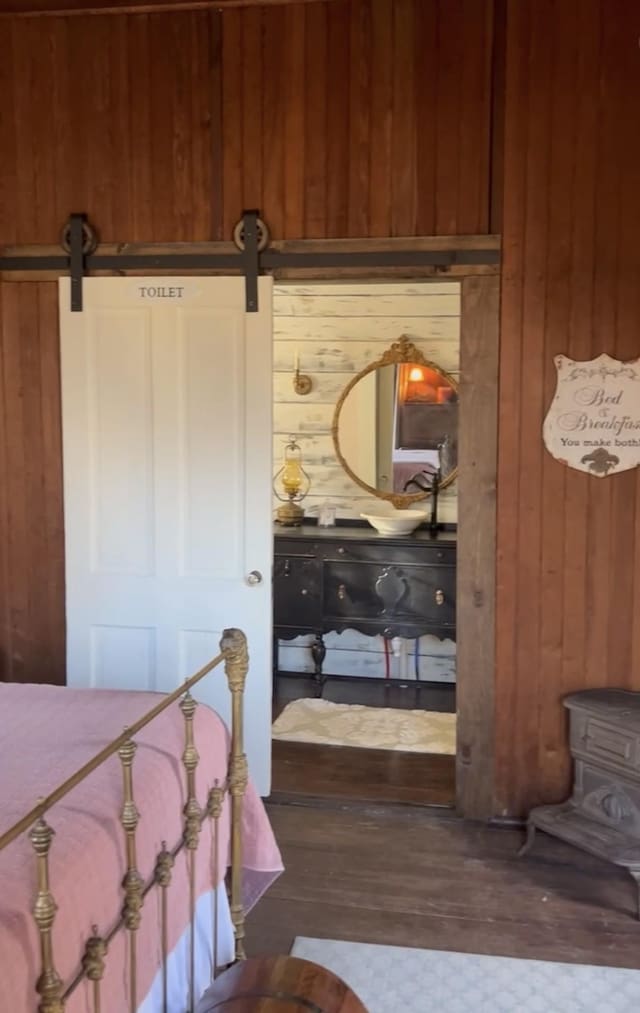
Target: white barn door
point(166, 410)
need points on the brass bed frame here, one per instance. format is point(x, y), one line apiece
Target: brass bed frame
point(51, 990)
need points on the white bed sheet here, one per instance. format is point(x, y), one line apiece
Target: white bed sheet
point(178, 959)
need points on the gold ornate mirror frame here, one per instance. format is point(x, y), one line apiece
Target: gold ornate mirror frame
point(401, 351)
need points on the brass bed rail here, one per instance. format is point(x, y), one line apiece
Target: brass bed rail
point(49, 987)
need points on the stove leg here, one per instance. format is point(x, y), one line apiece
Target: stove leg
point(531, 833)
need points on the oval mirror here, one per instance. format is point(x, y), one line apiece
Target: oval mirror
point(396, 426)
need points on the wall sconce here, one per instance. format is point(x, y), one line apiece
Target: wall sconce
point(296, 484)
point(301, 382)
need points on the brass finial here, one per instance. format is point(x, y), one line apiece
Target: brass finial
point(93, 962)
point(164, 865)
point(234, 646)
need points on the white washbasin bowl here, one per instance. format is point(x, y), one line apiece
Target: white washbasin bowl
point(403, 522)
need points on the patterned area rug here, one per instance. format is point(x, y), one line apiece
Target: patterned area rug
point(341, 724)
point(390, 979)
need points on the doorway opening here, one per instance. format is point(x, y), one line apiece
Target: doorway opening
point(364, 701)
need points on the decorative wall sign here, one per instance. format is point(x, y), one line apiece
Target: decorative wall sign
point(593, 423)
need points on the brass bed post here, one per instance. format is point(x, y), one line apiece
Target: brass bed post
point(214, 811)
point(234, 647)
point(93, 964)
point(132, 883)
point(191, 834)
point(49, 984)
point(164, 865)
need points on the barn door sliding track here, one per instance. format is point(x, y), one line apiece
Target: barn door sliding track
point(251, 257)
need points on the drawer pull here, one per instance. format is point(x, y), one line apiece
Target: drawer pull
point(341, 550)
point(342, 592)
point(439, 597)
point(304, 591)
point(287, 568)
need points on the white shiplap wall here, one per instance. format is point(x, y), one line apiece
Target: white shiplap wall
point(336, 329)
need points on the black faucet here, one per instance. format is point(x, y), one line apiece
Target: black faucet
point(421, 483)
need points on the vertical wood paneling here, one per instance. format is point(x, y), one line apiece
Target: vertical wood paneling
point(111, 116)
point(350, 117)
point(626, 651)
point(447, 114)
point(561, 167)
point(380, 101)
point(385, 120)
point(475, 577)
point(252, 70)
point(5, 574)
point(232, 120)
point(8, 141)
point(531, 400)
point(568, 604)
point(426, 86)
point(338, 130)
point(404, 126)
point(139, 81)
point(316, 167)
point(32, 645)
point(508, 411)
point(273, 118)
point(294, 107)
point(360, 73)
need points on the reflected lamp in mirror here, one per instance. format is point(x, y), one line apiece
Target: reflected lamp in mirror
point(294, 482)
point(395, 427)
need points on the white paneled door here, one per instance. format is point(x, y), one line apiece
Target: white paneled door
point(166, 407)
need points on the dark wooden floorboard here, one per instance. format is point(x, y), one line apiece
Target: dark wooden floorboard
point(308, 770)
point(305, 769)
point(407, 877)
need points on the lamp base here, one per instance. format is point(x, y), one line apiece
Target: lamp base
point(290, 515)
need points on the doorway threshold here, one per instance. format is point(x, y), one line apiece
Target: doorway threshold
point(310, 771)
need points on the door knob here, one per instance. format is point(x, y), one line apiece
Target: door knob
point(255, 577)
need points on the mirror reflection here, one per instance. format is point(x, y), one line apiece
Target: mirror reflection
point(398, 426)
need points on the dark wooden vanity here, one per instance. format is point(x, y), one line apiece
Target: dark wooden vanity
point(339, 578)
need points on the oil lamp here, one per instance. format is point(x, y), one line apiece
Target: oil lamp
point(295, 482)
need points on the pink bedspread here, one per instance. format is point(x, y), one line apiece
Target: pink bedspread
point(46, 733)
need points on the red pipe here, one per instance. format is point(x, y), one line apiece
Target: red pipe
point(386, 658)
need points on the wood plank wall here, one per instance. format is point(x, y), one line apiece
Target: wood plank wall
point(32, 631)
point(111, 116)
point(568, 602)
point(347, 118)
point(358, 117)
point(164, 127)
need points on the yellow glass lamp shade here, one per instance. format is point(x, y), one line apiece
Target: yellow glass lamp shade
point(295, 483)
point(292, 477)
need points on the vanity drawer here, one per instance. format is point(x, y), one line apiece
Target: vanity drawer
point(423, 554)
point(297, 594)
point(406, 593)
point(295, 547)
